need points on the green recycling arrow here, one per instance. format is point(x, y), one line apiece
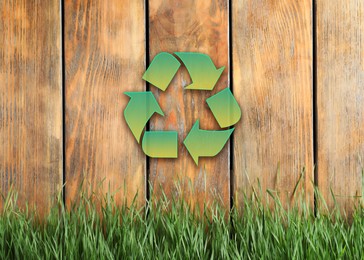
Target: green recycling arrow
point(204, 75)
point(202, 70)
point(162, 70)
point(160, 144)
point(205, 143)
point(141, 107)
point(225, 108)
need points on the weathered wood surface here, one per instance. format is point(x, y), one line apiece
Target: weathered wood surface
point(31, 102)
point(104, 56)
point(340, 100)
point(189, 26)
point(272, 81)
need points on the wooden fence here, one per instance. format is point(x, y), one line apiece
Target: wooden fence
point(295, 67)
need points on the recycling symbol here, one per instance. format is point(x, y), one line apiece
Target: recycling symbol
point(199, 142)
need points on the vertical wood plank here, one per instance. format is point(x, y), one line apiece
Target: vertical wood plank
point(105, 56)
point(31, 101)
point(272, 80)
point(340, 99)
point(189, 26)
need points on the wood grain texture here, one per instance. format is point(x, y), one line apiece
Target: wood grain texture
point(31, 101)
point(189, 26)
point(105, 56)
point(340, 99)
point(272, 81)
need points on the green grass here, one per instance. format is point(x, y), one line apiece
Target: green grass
point(178, 233)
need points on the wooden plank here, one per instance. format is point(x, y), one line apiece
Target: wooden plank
point(189, 26)
point(104, 56)
point(272, 72)
point(31, 102)
point(340, 99)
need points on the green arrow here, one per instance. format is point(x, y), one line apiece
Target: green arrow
point(225, 108)
point(205, 143)
point(160, 144)
point(141, 107)
point(202, 70)
point(162, 70)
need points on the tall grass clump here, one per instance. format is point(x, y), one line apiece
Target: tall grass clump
point(172, 230)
